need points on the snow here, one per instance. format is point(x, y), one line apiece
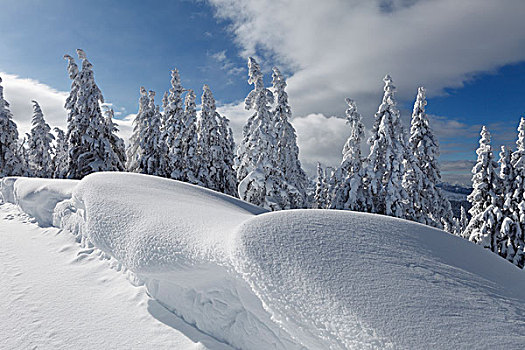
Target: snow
point(294, 279)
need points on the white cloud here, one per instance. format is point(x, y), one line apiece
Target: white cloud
point(340, 48)
point(20, 91)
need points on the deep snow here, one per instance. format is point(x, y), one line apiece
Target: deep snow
point(314, 279)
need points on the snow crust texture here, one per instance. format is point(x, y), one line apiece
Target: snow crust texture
point(295, 279)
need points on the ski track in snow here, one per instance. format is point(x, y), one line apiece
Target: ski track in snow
point(55, 295)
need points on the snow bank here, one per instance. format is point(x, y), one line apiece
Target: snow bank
point(296, 279)
point(37, 197)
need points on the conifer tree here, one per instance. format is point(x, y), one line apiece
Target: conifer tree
point(260, 180)
point(60, 161)
point(146, 151)
point(287, 152)
point(321, 200)
point(189, 140)
point(350, 191)
point(385, 161)
point(40, 145)
point(10, 160)
point(113, 146)
point(215, 152)
point(85, 133)
point(483, 226)
point(173, 128)
point(518, 196)
point(429, 202)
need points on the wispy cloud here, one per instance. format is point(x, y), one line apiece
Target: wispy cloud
point(225, 63)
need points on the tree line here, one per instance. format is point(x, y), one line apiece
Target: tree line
point(398, 177)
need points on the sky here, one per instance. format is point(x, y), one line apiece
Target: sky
point(469, 55)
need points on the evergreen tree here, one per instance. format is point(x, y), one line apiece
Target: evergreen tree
point(214, 148)
point(60, 161)
point(321, 200)
point(40, 145)
point(518, 196)
point(146, 152)
point(431, 206)
point(386, 159)
point(295, 179)
point(113, 146)
point(463, 221)
point(11, 162)
point(350, 191)
point(260, 180)
point(173, 128)
point(85, 133)
point(483, 226)
point(190, 142)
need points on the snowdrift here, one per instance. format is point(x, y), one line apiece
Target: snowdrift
point(314, 279)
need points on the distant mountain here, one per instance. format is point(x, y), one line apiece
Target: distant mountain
point(457, 196)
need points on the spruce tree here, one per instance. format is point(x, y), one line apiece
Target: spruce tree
point(518, 196)
point(60, 161)
point(85, 134)
point(189, 140)
point(10, 160)
point(385, 162)
point(287, 152)
point(260, 180)
point(40, 145)
point(429, 202)
point(173, 128)
point(113, 146)
point(483, 227)
point(350, 191)
point(321, 200)
point(215, 152)
point(146, 152)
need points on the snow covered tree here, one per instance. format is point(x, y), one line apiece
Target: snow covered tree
point(189, 140)
point(173, 127)
point(60, 161)
point(10, 161)
point(463, 221)
point(40, 145)
point(321, 198)
point(431, 206)
point(385, 161)
point(147, 150)
point(113, 146)
point(350, 191)
point(517, 204)
point(85, 133)
point(486, 213)
point(295, 179)
point(260, 179)
point(216, 168)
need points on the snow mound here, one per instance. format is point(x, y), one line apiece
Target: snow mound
point(315, 279)
point(37, 197)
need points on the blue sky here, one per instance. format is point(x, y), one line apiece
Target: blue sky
point(469, 55)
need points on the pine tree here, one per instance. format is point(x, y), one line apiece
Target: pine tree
point(40, 145)
point(350, 191)
point(147, 150)
point(483, 226)
point(429, 202)
point(24, 156)
point(174, 128)
point(463, 221)
point(321, 200)
point(260, 180)
point(385, 161)
point(227, 144)
point(85, 133)
point(60, 161)
point(113, 146)
point(518, 196)
point(189, 140)
point(295, 179)
point(10, 161)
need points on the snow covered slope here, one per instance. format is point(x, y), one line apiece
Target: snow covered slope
point(313, 279)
